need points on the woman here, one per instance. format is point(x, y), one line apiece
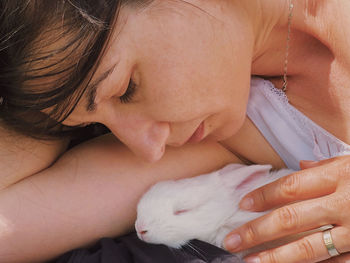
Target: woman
point(171, 80)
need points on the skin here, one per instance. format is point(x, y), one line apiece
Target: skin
point(329, 187)
point(216, 90)
point(186, 75)
point(189, 81)
point(89, 193)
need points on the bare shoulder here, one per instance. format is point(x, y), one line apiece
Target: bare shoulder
point(328, 20)
point(22, 156)
point(251, 146)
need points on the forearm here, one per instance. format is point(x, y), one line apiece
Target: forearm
point(21, 156)
point(89, 193)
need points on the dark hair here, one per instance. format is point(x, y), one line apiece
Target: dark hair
point(49, 51)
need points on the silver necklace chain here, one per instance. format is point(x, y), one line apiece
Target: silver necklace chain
point(285, 67)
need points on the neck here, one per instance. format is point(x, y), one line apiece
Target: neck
point(269, 20)
point(318, 60)
point(266, 17)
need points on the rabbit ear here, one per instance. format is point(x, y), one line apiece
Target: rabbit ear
point(238, 176)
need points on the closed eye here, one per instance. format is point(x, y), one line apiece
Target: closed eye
point(130, 91)
point(180, 212)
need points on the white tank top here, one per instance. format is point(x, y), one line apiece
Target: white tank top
point(294, 136)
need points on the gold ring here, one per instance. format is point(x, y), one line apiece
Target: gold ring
point(328, 242)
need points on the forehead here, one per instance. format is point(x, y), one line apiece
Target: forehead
point(159, 17)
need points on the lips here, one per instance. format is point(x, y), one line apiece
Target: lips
point(198, 135)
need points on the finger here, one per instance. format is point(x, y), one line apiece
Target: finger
point(304, 164)
point(344, 258)
point(302, 185)
point(286, 220)
point(308, 249)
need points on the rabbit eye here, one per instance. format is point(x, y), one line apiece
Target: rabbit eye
point(180, 212)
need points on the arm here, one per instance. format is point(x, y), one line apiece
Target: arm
point(90, 192)
point(21, 156)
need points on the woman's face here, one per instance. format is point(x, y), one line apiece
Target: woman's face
point(190, 72)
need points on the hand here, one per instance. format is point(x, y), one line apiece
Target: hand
point(307, 200)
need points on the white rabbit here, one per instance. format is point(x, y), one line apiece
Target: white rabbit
point(203, 207)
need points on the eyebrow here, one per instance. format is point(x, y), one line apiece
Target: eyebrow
point(92, 89)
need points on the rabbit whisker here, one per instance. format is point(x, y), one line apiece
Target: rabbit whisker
point(197, 250)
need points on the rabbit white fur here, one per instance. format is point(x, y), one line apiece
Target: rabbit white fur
point(203, 207)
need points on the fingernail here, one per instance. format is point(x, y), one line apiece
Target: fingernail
point(233, 241)
point(305, 164)
point(309, 162)
point(247, 203)
point(252, 260)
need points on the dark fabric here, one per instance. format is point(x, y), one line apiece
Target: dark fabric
point(129, 249)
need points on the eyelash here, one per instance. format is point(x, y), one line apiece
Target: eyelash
point(129, 93)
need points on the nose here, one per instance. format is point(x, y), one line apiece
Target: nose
point(145, 138)
point(143, 232)
point(148, 143)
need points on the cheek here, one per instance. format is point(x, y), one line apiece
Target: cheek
point(191, 82)
point(176, 104)
point(201, 88)
point(224, 109)
point(184, 95)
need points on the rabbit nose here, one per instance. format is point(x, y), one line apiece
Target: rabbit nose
point(143, 232)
